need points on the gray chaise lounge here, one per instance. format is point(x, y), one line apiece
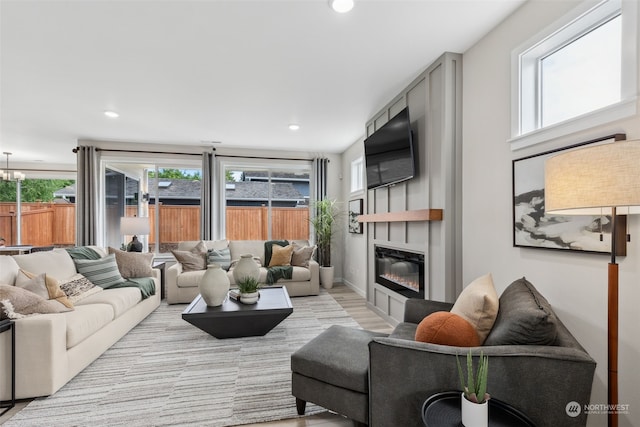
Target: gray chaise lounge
point(387, 385)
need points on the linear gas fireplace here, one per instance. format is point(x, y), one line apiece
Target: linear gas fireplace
point(400, 271)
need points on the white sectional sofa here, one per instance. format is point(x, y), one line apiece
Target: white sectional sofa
point(182, 286)
point(52, 348)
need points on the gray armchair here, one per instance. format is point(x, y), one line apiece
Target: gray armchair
point(539, 380)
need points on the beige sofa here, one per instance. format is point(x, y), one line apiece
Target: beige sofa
point(182, 287)
point(52, 348)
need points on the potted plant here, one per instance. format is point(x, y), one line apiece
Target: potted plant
point(322, 220)
point(474, 399)
point(248, 289)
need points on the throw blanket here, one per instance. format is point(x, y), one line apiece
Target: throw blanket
point(280, 272)
point(145, 284)
point(277, 272)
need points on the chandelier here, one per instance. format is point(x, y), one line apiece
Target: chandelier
point(8, 174)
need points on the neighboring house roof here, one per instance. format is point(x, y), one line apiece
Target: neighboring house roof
point(177, 189)
point(259, 190)
point(277, 176)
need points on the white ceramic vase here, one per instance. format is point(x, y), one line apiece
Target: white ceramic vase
point(246, 267)
point(214, 285)
point(251, 298)
point(474, 414)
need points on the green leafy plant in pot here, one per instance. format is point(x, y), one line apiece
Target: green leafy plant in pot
point(324, 215)
point(248, 289)
point(475, 398)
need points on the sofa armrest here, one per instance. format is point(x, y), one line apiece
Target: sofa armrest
point(39, 338)
point(417, 309)
point(314, 269)
point(171, 274)
point(533, 379)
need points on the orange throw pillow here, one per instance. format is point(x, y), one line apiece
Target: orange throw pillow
point(443, 327)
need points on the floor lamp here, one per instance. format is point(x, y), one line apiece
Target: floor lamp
point(603, 179)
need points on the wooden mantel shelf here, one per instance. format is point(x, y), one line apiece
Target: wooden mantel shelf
point(415, 215)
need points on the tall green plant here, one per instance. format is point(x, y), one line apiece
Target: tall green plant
point(475, 389)
point(323, 220)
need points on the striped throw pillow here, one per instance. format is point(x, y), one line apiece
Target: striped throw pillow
point(101, 272)
point(222, 257)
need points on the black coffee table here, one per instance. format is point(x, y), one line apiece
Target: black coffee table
point(234, 319)
point(443, 410)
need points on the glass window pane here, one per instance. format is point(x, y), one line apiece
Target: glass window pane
point(583, 76)
point(266, 203)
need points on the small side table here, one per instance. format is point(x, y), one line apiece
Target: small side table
point(443, 410)
point(5, 325)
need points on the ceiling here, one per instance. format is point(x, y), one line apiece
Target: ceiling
point(234, 72)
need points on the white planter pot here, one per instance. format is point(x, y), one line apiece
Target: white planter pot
point(474, 414)
point(246, 267)
point(251, 298)
point(214, 285)
point(326, 277)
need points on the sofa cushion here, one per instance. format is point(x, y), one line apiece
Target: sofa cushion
point(120, 299)
point(187, 245)
point(8, 270)
point(446, 328)
point(51, 289)
point(16, 302)
point(101, 272)
point(133, 264)
point(222, 257)
point(280, 255)
point(478, 304)
point(56, 263)
point(299, 274)
point(85, 320)
point(78, 287)
point(525, 317)
point(242, 247)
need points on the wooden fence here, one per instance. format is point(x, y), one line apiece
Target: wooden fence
point(46, 224)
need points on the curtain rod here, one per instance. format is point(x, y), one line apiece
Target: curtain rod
point(75, 150)
point(264, 158)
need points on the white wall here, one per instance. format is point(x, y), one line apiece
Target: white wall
point(355, 245)
point(574, 283)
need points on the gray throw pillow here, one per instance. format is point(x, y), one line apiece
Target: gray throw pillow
point(525, 317)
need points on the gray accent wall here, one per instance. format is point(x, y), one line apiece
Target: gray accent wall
point(434, 102)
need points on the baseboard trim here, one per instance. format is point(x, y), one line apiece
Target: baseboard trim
point(355, 289)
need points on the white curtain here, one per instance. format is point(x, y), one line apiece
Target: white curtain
point(87, 196)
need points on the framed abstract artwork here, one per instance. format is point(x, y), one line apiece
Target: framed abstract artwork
point(533, 228)
point(355, 210)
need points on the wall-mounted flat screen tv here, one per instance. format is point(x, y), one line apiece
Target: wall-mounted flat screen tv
point(389, 154)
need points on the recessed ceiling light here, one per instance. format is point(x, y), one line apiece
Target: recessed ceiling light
point(111, 114)
point(341, 6)
point(294, 126)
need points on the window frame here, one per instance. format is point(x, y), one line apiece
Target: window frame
point(356, 184)
point(525, 60)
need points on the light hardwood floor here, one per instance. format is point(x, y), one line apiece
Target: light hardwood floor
point(353, 304)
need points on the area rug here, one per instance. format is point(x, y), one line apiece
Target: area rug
point(166, 372)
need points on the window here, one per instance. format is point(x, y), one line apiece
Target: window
point(357, 173)
point(264, 201)
point(579, 73)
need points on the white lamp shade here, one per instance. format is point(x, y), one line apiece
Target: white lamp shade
point(134, 225)
point(587, 180)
